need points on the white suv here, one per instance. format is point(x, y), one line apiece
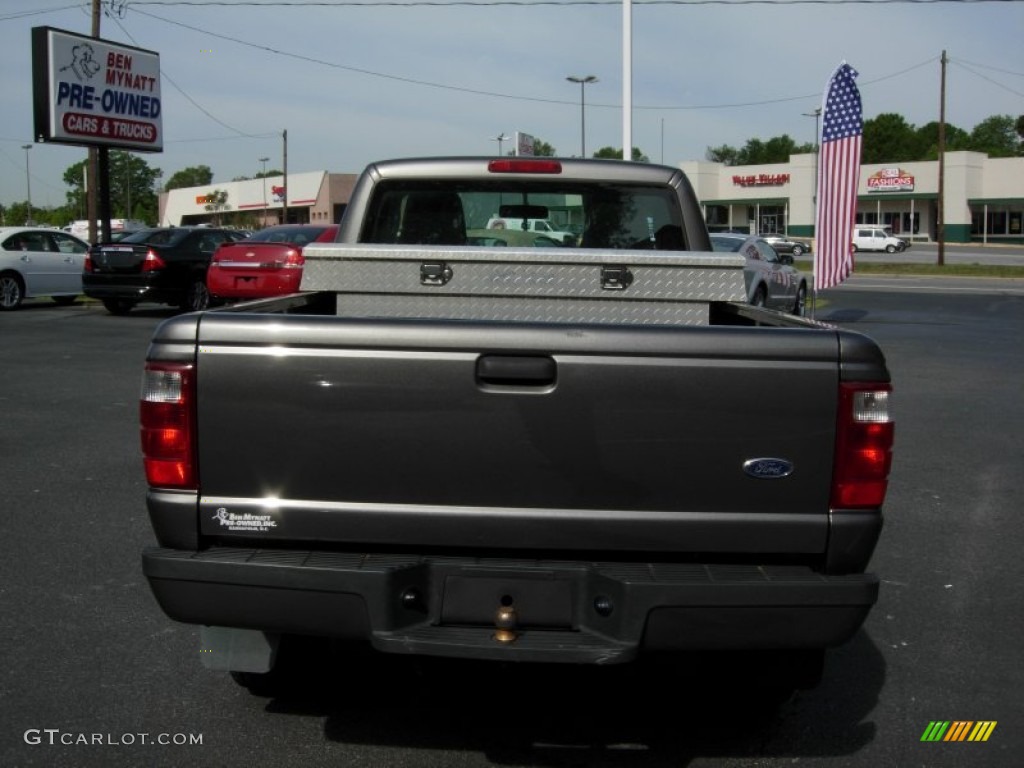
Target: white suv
point(870, 238)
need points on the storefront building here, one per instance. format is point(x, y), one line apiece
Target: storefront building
point(984, 197)
point(316, 197)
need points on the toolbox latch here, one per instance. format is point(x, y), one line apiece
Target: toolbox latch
point(435, 273)
point(616, 278)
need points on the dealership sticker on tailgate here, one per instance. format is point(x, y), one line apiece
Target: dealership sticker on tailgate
point(246, 522)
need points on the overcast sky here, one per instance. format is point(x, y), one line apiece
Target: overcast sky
point(357, 82)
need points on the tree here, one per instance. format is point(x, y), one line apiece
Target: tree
point(927, 140)
point(543, 149)
point(724, 154)
point(888, 138)
point(193, 176)
point(132, 188)
point(775, 150)
point(757, 152)
point(610, 153)
point(996, 136)
point(216, 202)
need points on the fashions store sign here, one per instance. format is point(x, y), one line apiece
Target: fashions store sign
point(890, 180)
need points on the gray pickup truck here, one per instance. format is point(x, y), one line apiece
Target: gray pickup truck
point(446, 445)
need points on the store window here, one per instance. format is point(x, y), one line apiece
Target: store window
point(717, 215)
point(1002, 222)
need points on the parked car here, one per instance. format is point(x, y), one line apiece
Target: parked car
point(268, 263)
point(164, 264)
point(771, 279)
point(784, 244)
point(36, 261)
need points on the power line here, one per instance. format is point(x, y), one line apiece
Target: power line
point(987, 79)
point(192, 101)
point(487, 3)
point(477, 92)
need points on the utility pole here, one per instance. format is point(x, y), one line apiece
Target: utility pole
point(940, 218)
point(28, 185)
point(284, 182)
point(91, 207)
point(264, 175)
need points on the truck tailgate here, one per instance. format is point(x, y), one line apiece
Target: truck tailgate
point(544, 437)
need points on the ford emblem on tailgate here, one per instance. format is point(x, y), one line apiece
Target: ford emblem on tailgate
point(769, 469)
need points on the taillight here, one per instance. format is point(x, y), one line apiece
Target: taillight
point(864, 439)
point(293, 259)
point(167, 420)
point(152, 262)
point(513, 165)
point(88, 263)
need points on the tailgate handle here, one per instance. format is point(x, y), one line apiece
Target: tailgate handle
point(435, 273)
point(516, 370)
point(616, 278)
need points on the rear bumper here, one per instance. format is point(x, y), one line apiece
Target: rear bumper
point(563, 611)
point(251, 283)
point(134, 288)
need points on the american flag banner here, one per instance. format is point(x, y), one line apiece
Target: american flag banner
point(842, 128)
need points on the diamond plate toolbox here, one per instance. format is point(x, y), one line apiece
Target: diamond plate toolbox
point(524, 284)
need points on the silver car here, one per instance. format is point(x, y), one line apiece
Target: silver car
point(771, 279)
point(37, 261)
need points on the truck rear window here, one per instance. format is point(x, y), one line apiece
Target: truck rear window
point(518, 213)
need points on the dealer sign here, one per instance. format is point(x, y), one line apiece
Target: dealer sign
point(93, 92)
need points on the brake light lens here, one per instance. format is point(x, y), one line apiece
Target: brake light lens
point(864, 438)
point(152, 262)
point(167, 420)
point(87, 266)
point(513, 165)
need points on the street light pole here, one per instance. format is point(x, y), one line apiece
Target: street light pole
point(816, 114)
point(583, 81)
point(264, 161)
point(28, 184)
point(501, 137)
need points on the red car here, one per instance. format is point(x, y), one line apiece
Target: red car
point(269, 263)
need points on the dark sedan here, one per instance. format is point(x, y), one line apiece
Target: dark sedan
point(166, 265)
point(782, 244)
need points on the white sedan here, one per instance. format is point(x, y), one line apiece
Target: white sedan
point(37, 261)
